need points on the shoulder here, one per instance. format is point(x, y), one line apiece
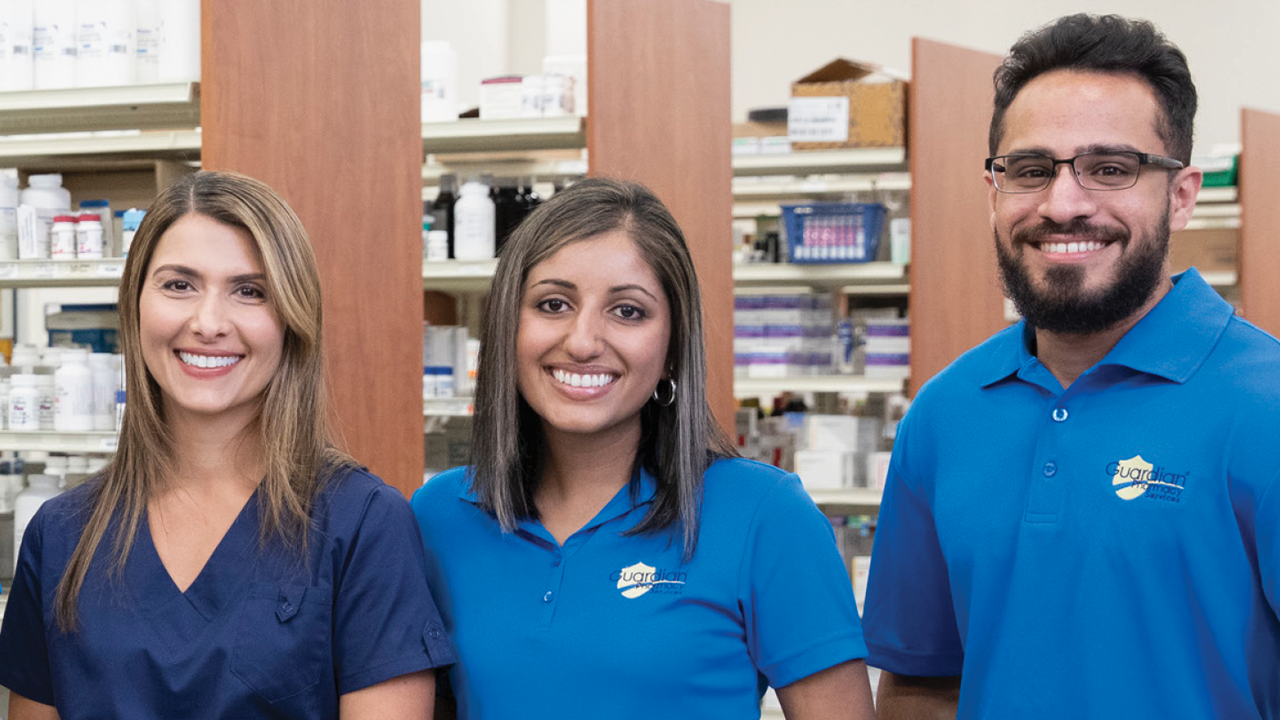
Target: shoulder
point(742, 488)
point(68, 512)
point(351, 494)
point(442, 489)
point(975, 367)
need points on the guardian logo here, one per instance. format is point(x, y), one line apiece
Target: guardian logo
point(1135, 478)
point(639, 579)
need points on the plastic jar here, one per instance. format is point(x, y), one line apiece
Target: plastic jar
point(25, 357)
point(105, 43)
point(44, 199)
point(53, 44)
point(103, 368)
point(24, 403)
point(128, 226)
point(89, 240)
point(101, 208)
point(473, 223)
point(47, 403)
point(8, 218)
point(16, 72)
point(5, 388)
point(73, 382)
point(39, 489)
point(62, 237)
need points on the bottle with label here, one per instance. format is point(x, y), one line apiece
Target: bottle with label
point(473, 223)
point(105, 45)
point(16, 72)
point(62, 237)
point(128, 226)
point(40, 202)
point(8, 218)
point(39, 489)
point(47, 403)
point(53, 44)
point(103, 368)
point(441, 209)
point(5, 389)
point(101, 208)
point(73, 382)
point(24, 403)
point(89, 237)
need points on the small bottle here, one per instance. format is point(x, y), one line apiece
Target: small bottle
point(101, 208)
point(442, 209)
point(5, 388)
point(437, 246)
point(62, 237)
point(39, 489)
point(103, 367)
point(129, 226)
point(473, 224)
point(8, 218)
point(119, 409)
point(46, 409)
point(89, 237)
point(24, 403)
point(73, 410)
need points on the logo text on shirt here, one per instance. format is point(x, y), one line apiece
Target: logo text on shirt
point(1135, 478)
point(639, 579)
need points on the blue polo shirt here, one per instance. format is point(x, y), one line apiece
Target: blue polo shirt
point(618, 627)
point(1111, 549)
point(260, 633)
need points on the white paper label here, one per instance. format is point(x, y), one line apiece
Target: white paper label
point(818, 119)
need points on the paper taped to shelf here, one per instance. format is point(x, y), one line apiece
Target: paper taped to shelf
point(818, 119)
point(875, 104)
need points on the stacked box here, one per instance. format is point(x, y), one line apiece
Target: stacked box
point(782, 335)
point(888, 348)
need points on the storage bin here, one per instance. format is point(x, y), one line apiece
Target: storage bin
point(833, 232)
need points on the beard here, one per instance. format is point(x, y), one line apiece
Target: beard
point(1063, 305)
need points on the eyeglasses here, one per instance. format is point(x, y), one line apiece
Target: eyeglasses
point(1032, 172)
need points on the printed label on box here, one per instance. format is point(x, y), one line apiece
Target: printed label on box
point(818, 119)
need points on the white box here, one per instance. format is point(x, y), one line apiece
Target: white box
point(824, 469)
point(501, 97)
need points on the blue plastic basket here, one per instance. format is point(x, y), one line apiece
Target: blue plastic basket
point(833, 232)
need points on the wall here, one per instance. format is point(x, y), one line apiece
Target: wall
point(1230, 44)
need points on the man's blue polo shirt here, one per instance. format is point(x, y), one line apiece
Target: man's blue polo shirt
point(1109, 550)
point(613, 626)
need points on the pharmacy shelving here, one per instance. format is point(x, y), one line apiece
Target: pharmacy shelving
point(823, 162)
point(458, 276)
point(855, 500)
point(519, 134)
point(763, 387)
point(59, 442)
point(869, 277)
point(61, 273)
point(104, 149)
point(460, 406)
point(129, 107)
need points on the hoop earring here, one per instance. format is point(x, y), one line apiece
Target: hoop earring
point(670, 396)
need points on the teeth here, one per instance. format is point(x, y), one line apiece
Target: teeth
point(1073, 247)
point(577, 380)
point(208, 361)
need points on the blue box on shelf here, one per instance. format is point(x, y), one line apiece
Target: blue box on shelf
point(833, 232)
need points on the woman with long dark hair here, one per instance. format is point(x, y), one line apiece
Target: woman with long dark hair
point(606, 554)
point(229, 561)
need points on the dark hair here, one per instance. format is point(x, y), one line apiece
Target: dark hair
point(677, 442)
point(1105, 44)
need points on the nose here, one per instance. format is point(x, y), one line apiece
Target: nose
point(210, 317)
point(1064, 199)
point(584, 339)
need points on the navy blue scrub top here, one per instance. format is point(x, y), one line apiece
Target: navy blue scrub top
point(257, 634)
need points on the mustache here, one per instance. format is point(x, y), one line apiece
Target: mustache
point(1077, 227)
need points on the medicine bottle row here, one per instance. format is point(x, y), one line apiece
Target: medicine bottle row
point(56, 44)
point(61, 389)
point(39, 224)
point(475, 224)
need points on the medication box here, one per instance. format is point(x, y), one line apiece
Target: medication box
point(847, 104)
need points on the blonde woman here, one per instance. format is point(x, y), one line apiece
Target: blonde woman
point(229, 562)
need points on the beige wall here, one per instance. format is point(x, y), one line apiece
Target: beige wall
point(1230, 44)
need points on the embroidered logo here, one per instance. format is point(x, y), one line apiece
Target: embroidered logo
point(639, 579)
point(1135, 478)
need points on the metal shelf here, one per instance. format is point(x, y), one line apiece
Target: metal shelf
point(458, 275)
point(99, 149)
point(816, 162)
point(1228, 194)
point(127, 107)
point(64, 442)
point(448, 407)
point(749, 187)
point(474, 135)
point(853, 498)
point(867, 276)
point(61, 273)
point(749, 387)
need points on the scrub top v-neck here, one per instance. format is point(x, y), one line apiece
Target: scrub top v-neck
point(256, 634)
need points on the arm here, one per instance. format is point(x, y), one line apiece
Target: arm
point(905, 697)
point(407, 696)
point(21, 708)
point(837, 692)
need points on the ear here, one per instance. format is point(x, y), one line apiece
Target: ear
point(991, 196)
point(1183, 190)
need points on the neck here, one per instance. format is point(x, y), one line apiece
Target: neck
point(577, 467)
point(212, 456)
point(1069, 355)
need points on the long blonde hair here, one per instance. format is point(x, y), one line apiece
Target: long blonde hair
point(293, 425)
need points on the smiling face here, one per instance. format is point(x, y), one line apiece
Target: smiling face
point(593, 336)
point(209, 333)
point(1076, 260)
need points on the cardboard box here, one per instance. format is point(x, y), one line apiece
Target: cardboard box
point(876, 103)
point(1209, 250)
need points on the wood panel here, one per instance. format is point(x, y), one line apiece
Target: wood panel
point(319, 98)
point(1259, 251)
point(658, 91)
point(956, 300)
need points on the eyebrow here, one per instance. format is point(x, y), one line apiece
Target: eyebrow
point(196, 274)
point(1095, 148)
point(616, 289)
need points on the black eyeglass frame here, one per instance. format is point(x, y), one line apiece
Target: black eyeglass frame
point(1161, 161)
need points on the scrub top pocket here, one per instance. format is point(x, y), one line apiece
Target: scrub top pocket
point(284, 645)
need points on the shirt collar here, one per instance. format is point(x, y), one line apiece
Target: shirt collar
point(636, 493)
point(1172, 340)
